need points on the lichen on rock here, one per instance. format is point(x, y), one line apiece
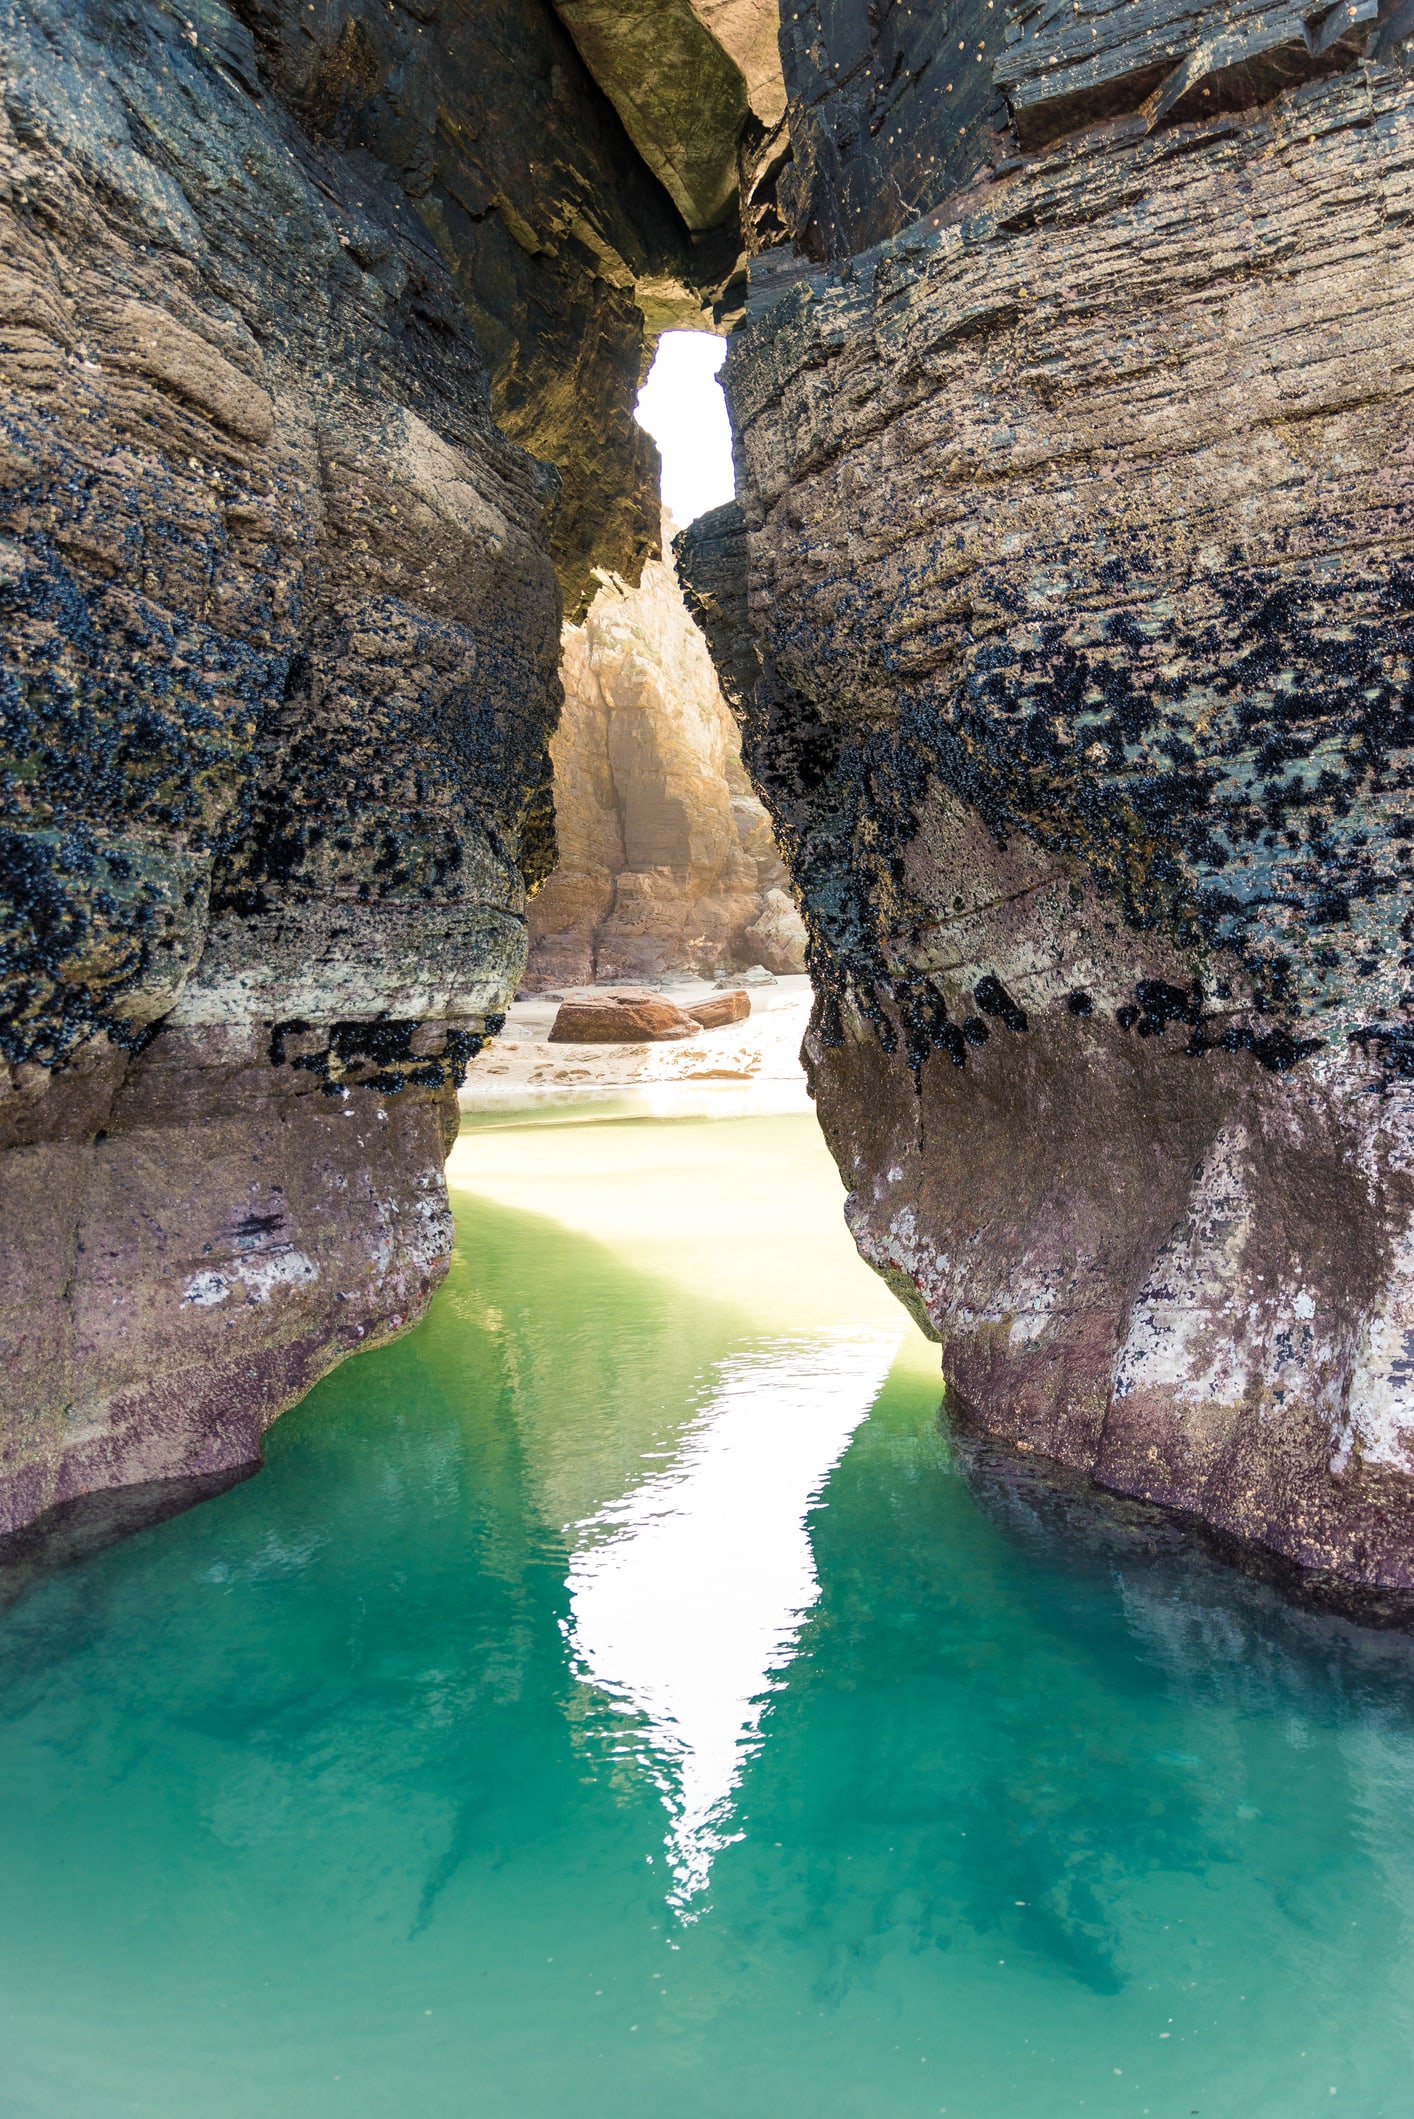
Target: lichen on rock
point(280, 633)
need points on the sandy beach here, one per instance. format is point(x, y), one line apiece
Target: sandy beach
point(756, 1061)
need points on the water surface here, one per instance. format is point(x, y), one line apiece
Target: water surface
point(621, 1698)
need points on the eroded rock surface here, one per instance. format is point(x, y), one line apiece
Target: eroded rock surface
point(281, 633)
point(505, 151)
point(666, 857)
point(1068, 606)
point(1066, 609)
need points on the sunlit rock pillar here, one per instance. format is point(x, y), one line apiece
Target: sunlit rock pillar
point(666, 861)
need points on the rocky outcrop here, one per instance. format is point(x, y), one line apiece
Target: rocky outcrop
point(1067, 604)
point(666, 856)
point(562, 246)
point(284, 290)
point(1065, 608)
point(624, 1015)
point(280, 637)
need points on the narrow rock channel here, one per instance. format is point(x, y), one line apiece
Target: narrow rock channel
point(692, 691)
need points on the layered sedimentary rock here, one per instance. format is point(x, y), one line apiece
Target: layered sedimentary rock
point(666, 856)
point(558, 239)
point(1066, 610)
point(285, 289)
point(280, 630)
point(1068, 606)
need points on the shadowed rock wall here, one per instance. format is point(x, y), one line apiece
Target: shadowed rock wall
point(1068, 605)
point(559, 241)
point(280, 636)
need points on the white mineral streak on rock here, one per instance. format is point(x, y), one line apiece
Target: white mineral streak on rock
point(1188, 1330)
point(259, 1277)
point(206, 1289)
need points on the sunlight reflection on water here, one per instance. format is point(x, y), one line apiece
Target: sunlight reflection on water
point(687, 1594)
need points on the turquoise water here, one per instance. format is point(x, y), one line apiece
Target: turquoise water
point(621, 1698)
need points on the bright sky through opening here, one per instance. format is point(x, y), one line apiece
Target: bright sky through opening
point(683, 408)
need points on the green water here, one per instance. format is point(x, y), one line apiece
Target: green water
point(620, 1698)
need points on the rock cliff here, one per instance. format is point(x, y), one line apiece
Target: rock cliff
point(280, 629)
point(288, 295)
point(1067, 602)
point(666, 857)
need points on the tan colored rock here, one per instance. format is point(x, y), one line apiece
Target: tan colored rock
point(687, 78)
point(682, 99)
point(666, 854)
point(623, 1018)
point(778, 937)
point(749, 32)
point(733, 1007)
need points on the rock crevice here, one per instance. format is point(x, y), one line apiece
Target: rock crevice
point(1064, 610)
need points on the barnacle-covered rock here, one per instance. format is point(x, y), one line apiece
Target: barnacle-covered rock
point(1067, 604)
point(280, 634)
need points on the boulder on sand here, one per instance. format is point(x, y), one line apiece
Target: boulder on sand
point(623, 1015)
point(778, 936)
point(719, 1008)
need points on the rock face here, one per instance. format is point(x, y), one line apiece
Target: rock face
point(1068, 604)
point(280, 631)
point(666, 856)
point(1066, 609)
point(561, 244)
point(284, 289)
point(720, 1009)
point(776, 938)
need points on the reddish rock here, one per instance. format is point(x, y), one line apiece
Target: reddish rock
point(628, 1016)
point(733, 1007)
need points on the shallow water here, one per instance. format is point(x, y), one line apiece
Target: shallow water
point(620, 1698)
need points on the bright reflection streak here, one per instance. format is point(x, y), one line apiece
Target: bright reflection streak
point(689, 1593)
